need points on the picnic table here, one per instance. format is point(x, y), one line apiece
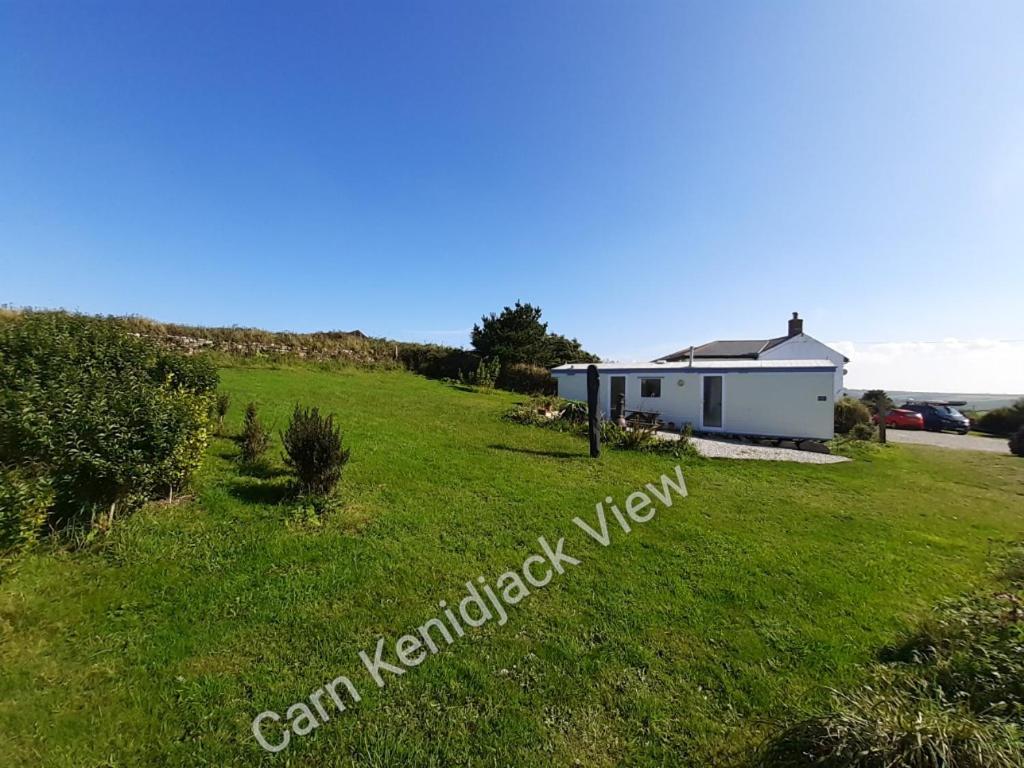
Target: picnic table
point(637, 418)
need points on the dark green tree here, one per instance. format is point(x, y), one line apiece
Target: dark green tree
point(875, 398)
point(518, 335)
point(562, 350)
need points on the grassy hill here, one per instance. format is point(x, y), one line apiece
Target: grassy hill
point(678, 644)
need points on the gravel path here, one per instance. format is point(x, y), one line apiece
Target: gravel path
point(948, 440)
point(719, 448)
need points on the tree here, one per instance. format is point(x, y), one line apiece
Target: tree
point(875, 398)
point(562, 350)
point(518, 335)
point(255, 437)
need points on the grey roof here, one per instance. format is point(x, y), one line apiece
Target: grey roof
point(704, 365)
point(725, 350)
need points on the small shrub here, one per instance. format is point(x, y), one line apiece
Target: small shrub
point(221, 410)
point(575, 411)
point(684, 446)
point(611, 433)
point(485, 374)
point(849, 413)
point(862, 432)
point(25, 498)
point(1017, 442)
point(313, 450)
point(1002, 421)
point(255, 437)
point(637, 438)
point(539, 411)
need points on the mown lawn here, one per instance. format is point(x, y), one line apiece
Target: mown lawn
point(678, 644)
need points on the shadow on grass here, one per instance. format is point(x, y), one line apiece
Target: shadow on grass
point(261, 471)
point(260, 493)
point(532, 452)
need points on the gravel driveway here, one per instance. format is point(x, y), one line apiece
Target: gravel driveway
point(948, 440)
point(720, 448)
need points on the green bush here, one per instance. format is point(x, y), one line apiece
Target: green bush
point(863, 431)
point(951, 695)
point(255, 438)
point(885, 726)
point(637, 438)
point(111, 418)
point(575, 411)
point(541, 411)
point(25, 498)
point(313, 450)
point(849, 413)
point(436, 362)
point(221, 406)
point(1017, 442)
point(1002, 421)
point(485, 374)
point(526, 378)
point(972, 649)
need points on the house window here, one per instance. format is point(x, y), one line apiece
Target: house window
point(650, 387)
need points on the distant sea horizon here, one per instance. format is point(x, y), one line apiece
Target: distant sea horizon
point(975, 401)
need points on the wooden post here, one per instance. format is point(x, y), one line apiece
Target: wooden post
point(593, 385)
point(883, 411)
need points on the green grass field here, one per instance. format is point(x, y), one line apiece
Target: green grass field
point(679, 644)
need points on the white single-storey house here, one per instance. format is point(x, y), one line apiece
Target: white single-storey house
point(769, 398)
point(765, 388)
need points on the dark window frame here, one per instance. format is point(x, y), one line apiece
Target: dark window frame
point(644, 380)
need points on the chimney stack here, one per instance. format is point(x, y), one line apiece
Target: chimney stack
point(796, 326)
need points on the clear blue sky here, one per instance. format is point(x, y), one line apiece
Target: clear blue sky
point(651, 174)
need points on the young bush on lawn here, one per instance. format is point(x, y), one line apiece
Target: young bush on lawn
point(862, 431)
point(112, 419)
point(485, 374)
point(255, 437)
point(313, 450)
point(849, 413)
point(1017, 442)
point(221, 408)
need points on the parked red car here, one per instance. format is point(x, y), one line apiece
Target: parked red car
point(901, 418)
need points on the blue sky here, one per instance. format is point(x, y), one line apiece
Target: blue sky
point(651, 174)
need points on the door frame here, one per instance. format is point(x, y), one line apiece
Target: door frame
point(703, 427)
point(625, 386)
